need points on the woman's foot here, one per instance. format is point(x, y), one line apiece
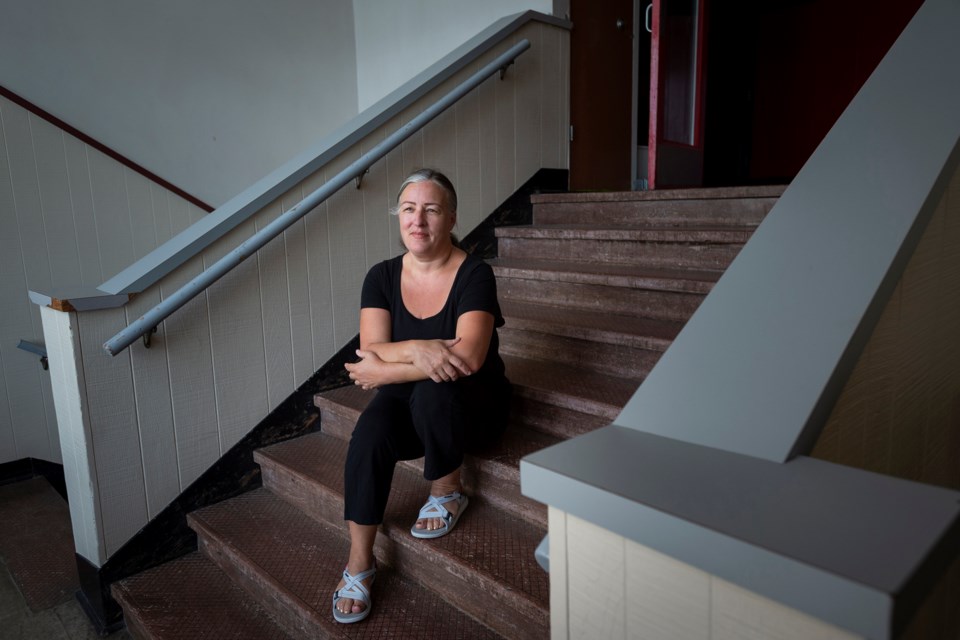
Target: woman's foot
point(351, 600)
point(444, 486)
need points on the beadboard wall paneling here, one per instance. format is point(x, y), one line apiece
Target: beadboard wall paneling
point(117, 451)
point(69, 215)
point(184, 338)
point(898, 413)
point(154, 414)
point(220, 363)
point(275, 301)
point(612, 587)
point(348, 255)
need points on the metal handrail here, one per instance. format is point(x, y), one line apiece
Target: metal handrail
point(184, 294)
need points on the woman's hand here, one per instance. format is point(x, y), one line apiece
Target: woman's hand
point(437, 361)
point(366, 372)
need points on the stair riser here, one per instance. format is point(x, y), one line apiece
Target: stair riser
point(319, 504)
point(608, 359)
point(654, 212)
point(503, 610)
point(553, 420)
point(648, 254)
point(272, 598)
point(662, 305)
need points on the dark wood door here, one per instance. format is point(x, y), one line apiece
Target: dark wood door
point(601, 65)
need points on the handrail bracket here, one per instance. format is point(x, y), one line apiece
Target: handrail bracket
point(146, 336)
point(359, 178)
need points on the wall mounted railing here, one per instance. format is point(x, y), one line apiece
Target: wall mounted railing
point(148, 321)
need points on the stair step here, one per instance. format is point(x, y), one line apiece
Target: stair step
point(570, 387)
point(665, 294)
point(192, 598)
point(739, 205)
point(606, 328)
point(549, 383)
point(486, 566)
point(611, 275)
point(614, 345)
point(702, 247)
point(616, 360)
point(292, 564)
point(494, 474)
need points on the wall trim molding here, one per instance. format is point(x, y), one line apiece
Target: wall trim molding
point(102, 148)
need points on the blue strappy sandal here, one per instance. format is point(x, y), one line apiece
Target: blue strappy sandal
point(354, 589)
point(434, 509)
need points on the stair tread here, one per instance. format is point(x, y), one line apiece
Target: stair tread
point(709, 193)
point(648, 333)
point(303, 560)
point(488, 543)
point(570, 387)
point(610, 274)
point(642, 232)
point(191, 597)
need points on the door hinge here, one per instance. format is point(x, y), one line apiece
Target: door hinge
point(571, 133)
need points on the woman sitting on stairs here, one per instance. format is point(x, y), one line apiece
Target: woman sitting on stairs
point(429, 346)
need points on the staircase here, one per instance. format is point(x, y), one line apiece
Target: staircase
point(593, 293)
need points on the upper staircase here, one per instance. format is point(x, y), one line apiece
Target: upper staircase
point(592, 293)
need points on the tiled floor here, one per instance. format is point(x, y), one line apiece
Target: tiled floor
point(38, 576)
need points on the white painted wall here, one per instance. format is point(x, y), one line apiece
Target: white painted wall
point(210, 95)
point(397, 40)
point(605, 586)
point(69, 215)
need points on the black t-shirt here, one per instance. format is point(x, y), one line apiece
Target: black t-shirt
point(474, 289)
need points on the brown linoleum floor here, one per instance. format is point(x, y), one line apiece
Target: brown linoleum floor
point(38, 577)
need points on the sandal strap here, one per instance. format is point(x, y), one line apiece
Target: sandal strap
point(434, 507)
point(353, 586)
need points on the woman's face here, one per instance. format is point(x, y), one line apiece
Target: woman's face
point(425, 219)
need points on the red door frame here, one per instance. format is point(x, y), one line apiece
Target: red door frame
point(656, 89)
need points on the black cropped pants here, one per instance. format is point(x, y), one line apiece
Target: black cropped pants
point(436, 421)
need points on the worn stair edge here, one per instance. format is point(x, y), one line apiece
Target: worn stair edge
point(667, 234)
point(486, 566)
point(624, 330)
point(557, 421)
point(610, 275)
point(292, 565)
point(594, 356)
point(697, 193)
point(623, 252)
point(652, 212)
point(190, 597)
point(673, 306)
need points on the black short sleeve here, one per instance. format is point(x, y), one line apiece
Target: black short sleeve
point(377, 291)
point(478, 291)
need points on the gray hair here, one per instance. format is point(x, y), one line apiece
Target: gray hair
point(437, 178)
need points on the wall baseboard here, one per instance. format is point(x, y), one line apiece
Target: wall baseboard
point(26, 468)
